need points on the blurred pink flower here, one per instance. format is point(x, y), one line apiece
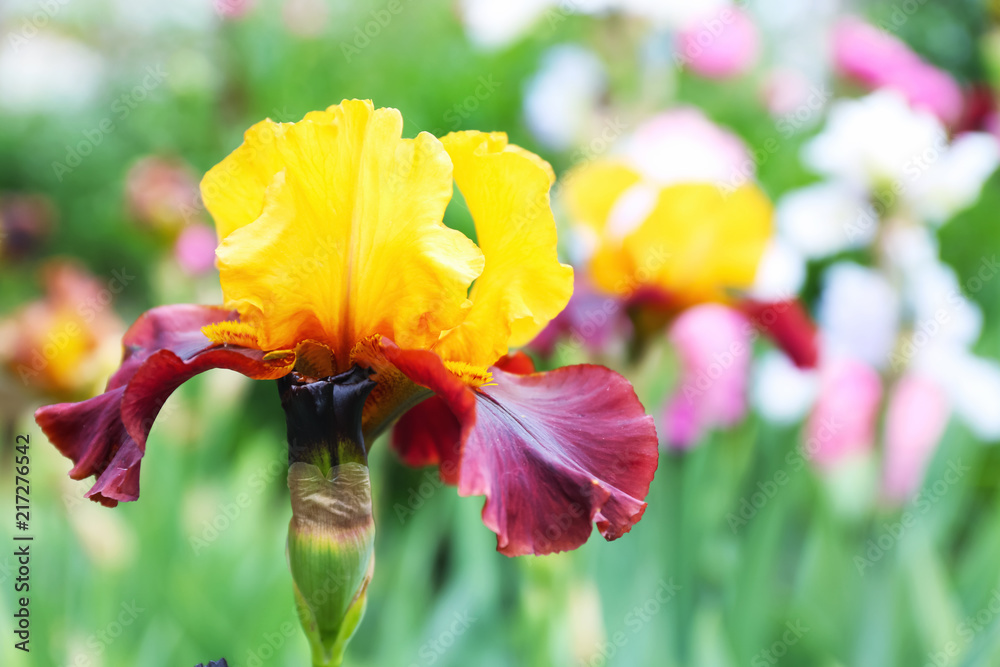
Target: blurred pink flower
point(195, 249)
point(877, 59)
point(683, 145)
point(917, 415)
point(233, 9)
point(713, 343)
point(843, 421)
point(785, 90)
point(162, 193)
point(721, 45)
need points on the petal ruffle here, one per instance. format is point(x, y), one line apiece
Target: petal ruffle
point(106, 435)
point(552, 452)
point(523, 285)
point(333, 232)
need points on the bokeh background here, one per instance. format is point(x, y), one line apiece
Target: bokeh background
point(871, 126)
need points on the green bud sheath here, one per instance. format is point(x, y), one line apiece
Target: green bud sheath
point(332, 533)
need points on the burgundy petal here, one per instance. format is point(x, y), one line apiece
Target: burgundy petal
point(106, 435)
point(429, 434)
point(788, 324)
point(552, 452)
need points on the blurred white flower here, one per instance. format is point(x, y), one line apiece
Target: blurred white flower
point(877, 141)
point(150, 16)
point(971, 383)
point(953, 181)
point(780, 273)
point(560, 100)
point(858, 314)
point(940, 311)
point(48, 73)
point(782, 392)
point(908, 246)
point(825, 218)
point(493, 24)
point(674, 13)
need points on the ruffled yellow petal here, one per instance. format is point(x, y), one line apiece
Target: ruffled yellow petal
point(523, 285)
point(591, 191)
point(344, 239)
point(697, 243)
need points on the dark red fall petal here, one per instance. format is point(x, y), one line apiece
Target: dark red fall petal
point(788, 324)
point(555, 451)
point(552, 452)
point(429, 434)
point(516, 362)
point(106, 435)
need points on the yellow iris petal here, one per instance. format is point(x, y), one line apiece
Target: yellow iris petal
point(591, 191)
point(695, 244)
point(523, 285)
point(334, 232)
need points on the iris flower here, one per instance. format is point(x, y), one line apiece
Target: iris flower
point(342, 282)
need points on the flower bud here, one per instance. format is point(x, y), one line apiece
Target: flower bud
point(331, 536)
point(331, 540)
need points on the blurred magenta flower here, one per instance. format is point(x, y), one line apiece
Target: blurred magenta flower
point(714, 346)
point(877, 59)
point(845, 416)
point(591, 321)
point(26, 221)
point(917, 415)
point(721, 44)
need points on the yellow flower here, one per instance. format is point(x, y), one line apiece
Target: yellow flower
point(332, 232)
point(694, 242)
